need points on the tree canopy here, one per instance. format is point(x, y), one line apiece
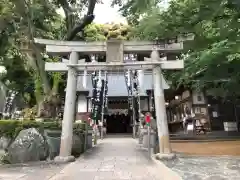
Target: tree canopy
point(22, 20)
point(212, 59)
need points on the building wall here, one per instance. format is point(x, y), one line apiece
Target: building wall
point(221, 112)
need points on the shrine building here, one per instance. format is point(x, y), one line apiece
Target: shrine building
point(117, 99)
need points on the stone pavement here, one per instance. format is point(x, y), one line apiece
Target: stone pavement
point(114, 158)
point(31, 171)
point(206, 167)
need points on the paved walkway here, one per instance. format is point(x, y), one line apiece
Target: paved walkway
point(113, 159)
point(31, 171)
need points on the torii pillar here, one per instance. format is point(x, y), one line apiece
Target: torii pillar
point(69, 113)
point(165, 151)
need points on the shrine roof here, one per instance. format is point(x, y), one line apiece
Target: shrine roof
point(117, 85)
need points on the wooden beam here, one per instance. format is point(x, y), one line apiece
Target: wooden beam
point(59, 66)
point(56, 67)
point(65, 47)
point(67, 60)
point(68, 43)
point(170, 64)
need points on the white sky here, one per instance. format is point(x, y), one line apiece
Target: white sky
point(104, 13)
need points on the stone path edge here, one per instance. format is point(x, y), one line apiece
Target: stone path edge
point(179, 155)
point(70, 164)
point(166, 172)
point(38, 163)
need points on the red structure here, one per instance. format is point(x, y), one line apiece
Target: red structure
point(148, 119)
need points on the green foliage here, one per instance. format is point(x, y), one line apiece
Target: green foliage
point(134, 9)
point(11, 128)
point(212, 59)
point(8, 128)
point(20, 21)
point(102, 32)
point(30, 113)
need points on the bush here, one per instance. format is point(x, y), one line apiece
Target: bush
point(30, 113)
point(11, 128)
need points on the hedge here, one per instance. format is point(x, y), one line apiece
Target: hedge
point(11, 128)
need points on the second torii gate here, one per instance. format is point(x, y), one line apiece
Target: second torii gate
point(114, 60)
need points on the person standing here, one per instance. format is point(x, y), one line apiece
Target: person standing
point(187, 119)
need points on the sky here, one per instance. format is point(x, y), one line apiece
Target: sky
point(104, 13)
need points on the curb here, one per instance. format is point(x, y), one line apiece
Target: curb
point(46, 162)
point(182, 155)
point(30, 164)
point(166, 172)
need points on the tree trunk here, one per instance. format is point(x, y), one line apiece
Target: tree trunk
point(49, 100)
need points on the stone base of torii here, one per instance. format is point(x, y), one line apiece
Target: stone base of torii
point(73, 67)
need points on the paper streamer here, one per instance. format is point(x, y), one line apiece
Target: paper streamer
point(128, 78)
point(140, 79)
point(84, 81)
point(99, 83)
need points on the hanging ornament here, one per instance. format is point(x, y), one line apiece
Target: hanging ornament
point(99, 83)
point(85, 79)
point(140, 79)
point(128, 78)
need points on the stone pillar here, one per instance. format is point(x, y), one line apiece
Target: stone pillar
point(69, 113)
point(165, 151)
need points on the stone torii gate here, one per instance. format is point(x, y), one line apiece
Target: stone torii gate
point(114, 50)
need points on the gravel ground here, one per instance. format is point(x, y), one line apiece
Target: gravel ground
point(206, 168)
point(211, 148)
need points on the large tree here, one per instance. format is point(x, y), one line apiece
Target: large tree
point(212, 59)
point(22, 20)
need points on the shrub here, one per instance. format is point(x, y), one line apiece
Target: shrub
point(30, 113)
point(11, 128)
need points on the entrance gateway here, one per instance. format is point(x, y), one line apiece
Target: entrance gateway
point(114, 51)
